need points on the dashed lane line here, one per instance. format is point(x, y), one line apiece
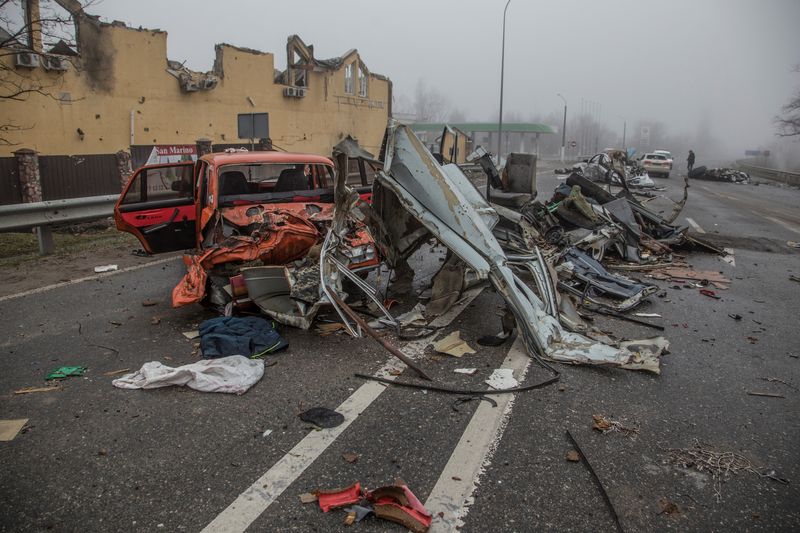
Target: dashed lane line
point(453, 494)
point(251, 503)
point(695, 225)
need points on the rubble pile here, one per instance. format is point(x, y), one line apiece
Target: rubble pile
point(613, 167)
point(555, 263)
point(729, 175)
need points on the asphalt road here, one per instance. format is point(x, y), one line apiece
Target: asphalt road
point(96, 458)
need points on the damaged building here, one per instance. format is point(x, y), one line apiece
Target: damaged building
point(114, 88)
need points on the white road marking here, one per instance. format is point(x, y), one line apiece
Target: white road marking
point(454, 492)
point(728, 257)
point(790, 227)
point(265, 490)
point(695, 225)
point(87, 278)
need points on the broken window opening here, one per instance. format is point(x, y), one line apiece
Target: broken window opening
point(58, 25)
point(349, 79)
point(362, 81)
point(47, 30)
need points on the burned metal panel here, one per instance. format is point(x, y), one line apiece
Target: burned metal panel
point(437, 202)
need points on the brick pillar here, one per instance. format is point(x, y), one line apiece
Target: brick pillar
point(30, 184)
point(124, 168)
point(30, 181)
point(203, 147)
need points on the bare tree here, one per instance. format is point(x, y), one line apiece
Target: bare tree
point(789, 123)
point(25, 33)
point(429, 104)
point(456, 115)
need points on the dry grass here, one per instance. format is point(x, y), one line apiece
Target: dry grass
point(17, 249)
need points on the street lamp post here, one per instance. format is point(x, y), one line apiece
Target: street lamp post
point(563, 128)
point(500, 120)
point(624, 131)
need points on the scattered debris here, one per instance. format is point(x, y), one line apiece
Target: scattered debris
point(116, 372)
point(721, 465)
point(64, 372)
point(709, 293)
point(191, 335)
point(338, 498)
point(322, 417)
point(778, 380)
point(329, 328)
point(719, 174)
point(360, 512)
point(398, 504)
point(10, 428)
point(267, 433)
point(502, 378)
point(477, 397)
point(648, 315)
point(467, 371)
point(105, 268)
point(597, 481)
point(453, 345)
point(735, 316)
point(149, 303)
point(766, 394)
point(31, 390)
point(308, 497)
point(793, 244)
point(156, 320)
point(606, 425)
point(350, 457)
point(573, 456)
point(728, 257)
point(715, 278)
point(234, 374)
point(249, 336)
point(668, 507)
point(792, 277)
point(449, 390)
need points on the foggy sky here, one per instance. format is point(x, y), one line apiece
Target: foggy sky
point(681, 62)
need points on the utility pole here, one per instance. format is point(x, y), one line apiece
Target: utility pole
point(563, 127)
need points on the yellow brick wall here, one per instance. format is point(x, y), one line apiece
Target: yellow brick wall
point(120, 66)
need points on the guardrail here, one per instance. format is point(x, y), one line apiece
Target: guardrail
point(792, 178)
point(41, 215)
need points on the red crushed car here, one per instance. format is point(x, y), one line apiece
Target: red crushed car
point(233, 208)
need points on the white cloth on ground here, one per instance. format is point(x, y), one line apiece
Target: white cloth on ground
point(233, 374)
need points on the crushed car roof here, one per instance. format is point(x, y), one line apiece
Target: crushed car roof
point(233, 158)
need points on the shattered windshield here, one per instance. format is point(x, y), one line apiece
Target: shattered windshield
point(264, 182)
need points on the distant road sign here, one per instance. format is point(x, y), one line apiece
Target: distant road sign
point(573, 144)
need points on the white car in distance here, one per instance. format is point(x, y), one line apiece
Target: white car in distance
point(657, 163)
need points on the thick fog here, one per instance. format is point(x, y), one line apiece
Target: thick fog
point(710, 75)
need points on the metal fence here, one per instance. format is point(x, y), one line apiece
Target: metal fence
point(78, 176)
point(747, 165)
point(9, 182)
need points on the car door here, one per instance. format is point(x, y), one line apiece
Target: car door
point(158, 207)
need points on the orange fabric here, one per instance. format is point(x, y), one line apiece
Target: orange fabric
point(287, 236)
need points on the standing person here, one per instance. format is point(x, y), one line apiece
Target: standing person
point(690, 160)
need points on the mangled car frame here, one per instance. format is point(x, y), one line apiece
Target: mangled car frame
point(270, 225)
